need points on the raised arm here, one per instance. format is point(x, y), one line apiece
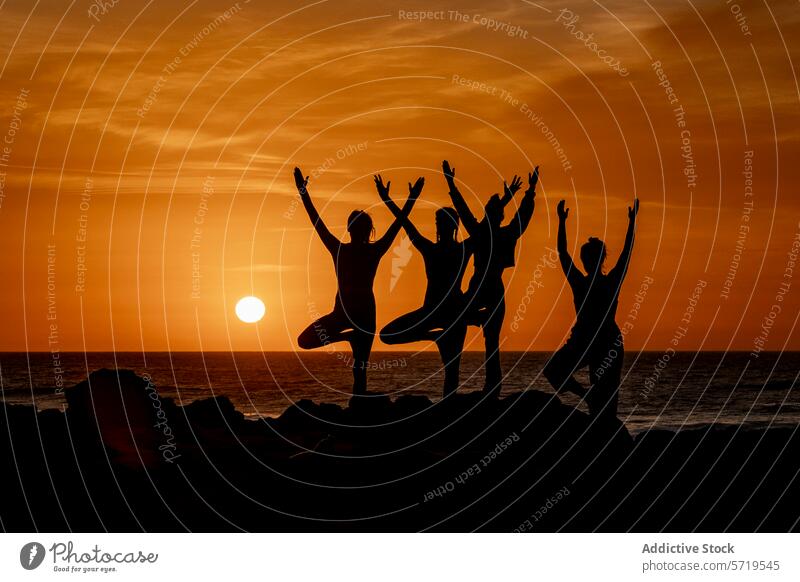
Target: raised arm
point(524, 213)
point(509, 191)
point(419, 241)
point(621, 268)
point(331, 242)
point(464, 213)
point(570, 270)
point(386, 240)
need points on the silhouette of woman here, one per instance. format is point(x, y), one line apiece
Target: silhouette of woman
point(441, 317)
point(353, 316)
point(595, 339)
point(493, 246)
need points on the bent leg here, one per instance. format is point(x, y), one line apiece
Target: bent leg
point(411, 327)
point(562, 365)
point(325, 330)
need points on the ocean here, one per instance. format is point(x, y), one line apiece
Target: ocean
point(659, 390)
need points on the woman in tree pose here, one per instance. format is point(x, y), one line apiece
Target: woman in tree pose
point(595, 340)
point(356, 262)
point(441, 317)
point(493, 246)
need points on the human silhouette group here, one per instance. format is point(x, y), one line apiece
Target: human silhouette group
point(446, 312)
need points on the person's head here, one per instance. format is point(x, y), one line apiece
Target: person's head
point(494, 210)
point(593, 255)
point(446, 224)
point(359, 225)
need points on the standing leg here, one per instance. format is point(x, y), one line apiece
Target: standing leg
point(361, 343)
point(606, 373)
point(450, 345)
point(491, 340)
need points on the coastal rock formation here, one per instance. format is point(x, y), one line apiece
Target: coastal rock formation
point(122, 458)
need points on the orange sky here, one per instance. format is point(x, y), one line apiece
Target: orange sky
point(164, 134)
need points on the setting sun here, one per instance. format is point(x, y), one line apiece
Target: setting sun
point(250, 309)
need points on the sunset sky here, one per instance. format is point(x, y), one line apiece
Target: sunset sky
point(147, 143)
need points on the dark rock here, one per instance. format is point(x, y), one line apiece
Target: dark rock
point(464, 463)
point(215, 411)
point(122, 409)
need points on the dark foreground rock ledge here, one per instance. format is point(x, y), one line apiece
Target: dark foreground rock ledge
point(122, 458)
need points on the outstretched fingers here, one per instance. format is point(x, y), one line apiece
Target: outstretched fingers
point(563, 212)
point(449, 172)
point(533, 178)
point(416, 189)
point(383, 189)
point(516, 184)
point(632, 212)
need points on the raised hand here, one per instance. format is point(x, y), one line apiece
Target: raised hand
point(563, 213)
point(300, 181)
point(516, 184)
point(533, 180)
point(383, 189)
point(632, 212)
point(415, 190)
point(449, 173)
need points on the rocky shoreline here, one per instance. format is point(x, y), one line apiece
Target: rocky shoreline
point(122, 458)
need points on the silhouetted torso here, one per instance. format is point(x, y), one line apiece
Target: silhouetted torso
point(494, 253)
point(356, 265)
point(595, 304)
point(445, 264)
